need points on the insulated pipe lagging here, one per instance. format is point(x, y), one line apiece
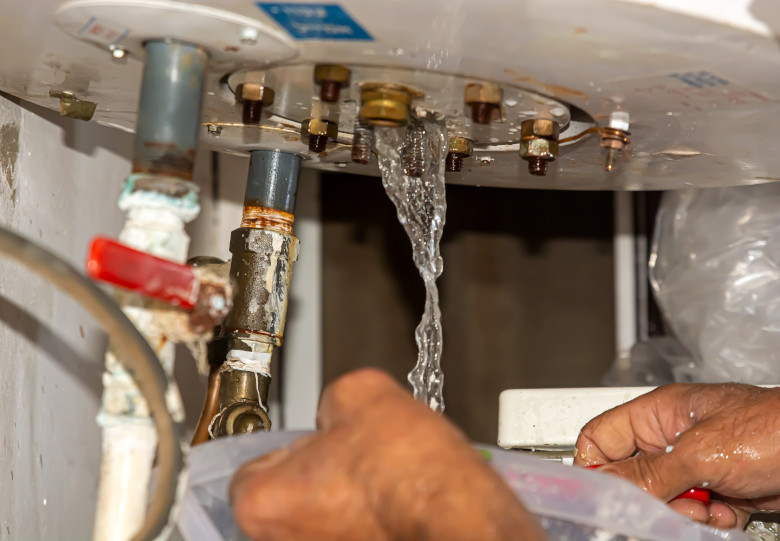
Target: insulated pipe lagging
point(273, 180)
point(140, 360)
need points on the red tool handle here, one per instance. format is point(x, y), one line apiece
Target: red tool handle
point(148, 275)
point(701, 494)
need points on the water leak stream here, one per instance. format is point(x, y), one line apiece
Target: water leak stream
point(411, 161)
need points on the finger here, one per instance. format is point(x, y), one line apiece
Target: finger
point(248, 470)
point(722, 515)
point(663, 475)
point(355, 392)
point(694, 510)
point(648, 423)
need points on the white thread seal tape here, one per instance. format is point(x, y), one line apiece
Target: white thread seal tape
point(258, 362)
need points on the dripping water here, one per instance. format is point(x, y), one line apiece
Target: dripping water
point(411, 161)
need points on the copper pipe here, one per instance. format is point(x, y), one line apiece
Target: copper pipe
point(210, 407)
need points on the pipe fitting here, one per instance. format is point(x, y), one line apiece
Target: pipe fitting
point(458, 148)
point(315, 132)
point(331, 78)
point(539, 143)
point(261, 266)
point(386, 104)
point(241, 397)
point(484, 100)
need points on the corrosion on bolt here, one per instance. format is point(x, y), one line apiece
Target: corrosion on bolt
point(484, 100)
point(539, 143)
point(253, 96)
point(457, 149)
point(331, 78)
point(316, 132)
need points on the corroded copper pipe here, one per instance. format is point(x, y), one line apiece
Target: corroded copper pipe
point(210, 408)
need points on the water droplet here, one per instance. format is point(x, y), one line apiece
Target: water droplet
point(557, 111)
point(510, 102)
point(396, 51)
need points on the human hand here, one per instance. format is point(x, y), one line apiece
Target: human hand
point(722, 437)
point(382, 467)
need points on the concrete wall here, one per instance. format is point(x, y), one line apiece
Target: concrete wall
point(59, 181)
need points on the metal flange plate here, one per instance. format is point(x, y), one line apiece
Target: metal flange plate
point(232, 40)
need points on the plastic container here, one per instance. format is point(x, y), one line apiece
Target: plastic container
point(571, 503)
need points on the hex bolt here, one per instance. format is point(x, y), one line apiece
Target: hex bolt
point(484, 99)
point(362, 140)
point(214, 129)
point(331, 78)
point(539, 143)
point(315, 132)
point(458, 148)
point(386, 104)
point(253, 96)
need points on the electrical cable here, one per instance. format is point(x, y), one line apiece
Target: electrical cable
point(134, 351)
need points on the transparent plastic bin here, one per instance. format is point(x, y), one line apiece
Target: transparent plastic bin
point(571, 503)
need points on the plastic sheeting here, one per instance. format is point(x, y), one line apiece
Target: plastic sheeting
point(715, 272)
point(572, 504)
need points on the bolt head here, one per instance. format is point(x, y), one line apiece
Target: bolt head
point(318, 126)
point(461, 145)
point(248, 36)
point(214, 130)
point(483, 93)
point(539, 148)
point(539, 127)
point(334, 73)
point(255, 92)
point(118, 53)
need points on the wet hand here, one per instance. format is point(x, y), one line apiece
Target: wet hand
point(722, 437)
point(382, 467)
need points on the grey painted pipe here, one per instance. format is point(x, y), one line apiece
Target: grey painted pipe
point(273, 180)
point(169, 113)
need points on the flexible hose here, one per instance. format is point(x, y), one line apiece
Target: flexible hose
point(135, 352)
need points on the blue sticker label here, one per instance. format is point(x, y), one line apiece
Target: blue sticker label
point(316, 21)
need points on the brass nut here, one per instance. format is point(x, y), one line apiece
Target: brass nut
point(539, 127)
point(318, 126)
point(331, 72)
point(255, 92)
point(483, 93)
point(386, 104)
point(461, 145)
point(615, 138)
point(539, 148)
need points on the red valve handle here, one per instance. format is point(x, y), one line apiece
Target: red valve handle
point(148, 275)
point(701, 494)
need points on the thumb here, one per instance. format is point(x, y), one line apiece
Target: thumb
point(663, 475)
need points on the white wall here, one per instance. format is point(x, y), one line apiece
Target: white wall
point(59, 181)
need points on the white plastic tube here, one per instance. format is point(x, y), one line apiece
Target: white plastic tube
point(624, 248)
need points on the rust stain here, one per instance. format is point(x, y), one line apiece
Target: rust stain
point(232, 49)
point(267, 218)
point(9, 153)
point(557, 91)
point(580, 30)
